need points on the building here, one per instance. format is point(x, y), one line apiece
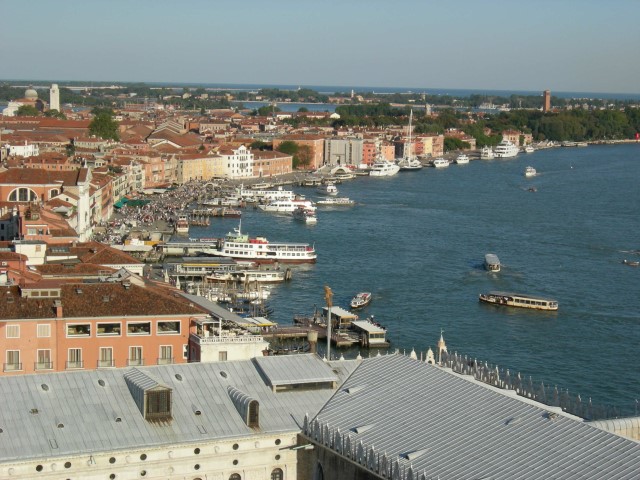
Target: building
point(343, 151)
point(237, 163)
point(54, 97)
point(546, 101)
point(314, 142)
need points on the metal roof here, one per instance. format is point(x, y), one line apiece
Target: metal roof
point(295, 369)
point(367, 326)
point(422, 421)
point(93, 411)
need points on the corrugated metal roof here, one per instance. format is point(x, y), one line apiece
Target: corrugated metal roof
point(97, 412)
point(295, 369)
point(446, 426)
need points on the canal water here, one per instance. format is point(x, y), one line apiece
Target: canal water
point(417, 241)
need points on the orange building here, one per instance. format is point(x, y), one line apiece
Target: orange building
point(56, 326)
point(314, 142)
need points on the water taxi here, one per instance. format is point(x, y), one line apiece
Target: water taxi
point(530, 172)
point(328, 188)
point(306, 215)
point(361, 300)
point(462, 159)
point(492, 262)
point(440, 162)
point(518, 300)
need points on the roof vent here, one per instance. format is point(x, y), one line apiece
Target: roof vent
point(101, 383)
point(363, 428)
point(178, 377)
point(355, 389)
point(61, 425)
point(45, 387)
point(118, 419)
point(415, 454)
point(34, 411)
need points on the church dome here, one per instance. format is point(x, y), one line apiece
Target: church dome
point(31, 93)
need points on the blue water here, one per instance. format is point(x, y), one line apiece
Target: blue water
point(417, 242)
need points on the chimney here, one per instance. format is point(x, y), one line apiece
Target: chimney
point(57, 306)
point(312, 338)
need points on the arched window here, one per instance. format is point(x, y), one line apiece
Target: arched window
point(23, 194)
point(235, 476)
point(253, 420)
point(277, 474)
point(319, 474)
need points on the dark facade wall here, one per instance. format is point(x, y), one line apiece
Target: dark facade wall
point(334, 467)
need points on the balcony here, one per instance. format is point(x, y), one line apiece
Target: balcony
point(12, 367)
point(106, 364)
point(74, 365)
point(135, 362)
point(165, 361)
point(43, 366)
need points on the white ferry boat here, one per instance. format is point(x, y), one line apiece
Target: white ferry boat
point(253, 194)
point(518, 300)
point(440, 162)
point(305, 215)
point(240, 246)
point(383, 168)
point(492, 262)
point(287, 206)
point(530, 172)
point(328, 188)
point(462, 159)
point(486, 153)
point(506, 149)
point(336, 202)
point(249, 276)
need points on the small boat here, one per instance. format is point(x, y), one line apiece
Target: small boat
point(440, 162)
point(518, 300)
point(631, 263)
point(306, 215)
point(530, 172)
point(532, 189)
point(361, 300)
point(529, 149)
point(462, 159)
point(335, 202)
point(492, 262)
point(328, 188)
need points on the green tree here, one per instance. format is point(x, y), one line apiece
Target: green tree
point(55, 114)
point(104, 126)
point(288, 147)
point(451, 144)
point(303, 110)
point(27, 111)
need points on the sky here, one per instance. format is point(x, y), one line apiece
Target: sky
point(561, 45)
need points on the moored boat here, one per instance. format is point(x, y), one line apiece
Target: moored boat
point(409, 161)
point(518, 300)
point(440, 162)
point(486, 153)
point(361, 300)
point(462, 159)
point(529, 149)
point(492, 262)
point(506, 149)
point(182, 225)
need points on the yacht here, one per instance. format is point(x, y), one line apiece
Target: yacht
point(518, 300)
point(486, 153)
point(530, 172)
point(506, 149)
point(409, 161)
point(462, 159)
point(383, 168)
point(440, 162)
point(328, 188)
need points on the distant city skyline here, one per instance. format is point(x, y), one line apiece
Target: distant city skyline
point(569, 46)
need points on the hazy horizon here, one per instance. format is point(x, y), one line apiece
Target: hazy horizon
point(500, 45)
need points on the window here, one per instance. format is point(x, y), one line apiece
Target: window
point(106, 357)
point(235, 476)
point(168, 328)
point(277, 474)
point(139, 328)
point(135, 356)
point(222, 356)
point(12, 331)
point(108, 329)
point(13, 361)
point(253, 420)
point(44, 330)
point(185, 351)
point(74, 359)
point(23, 195)
point(44, 360)
point(79, 330)
point(158, 404)
point(166, 355)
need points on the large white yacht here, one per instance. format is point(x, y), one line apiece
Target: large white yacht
point(486, 153)
point(506, 149)
point(383, 168)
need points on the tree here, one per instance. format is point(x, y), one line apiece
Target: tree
point(288, 147)
point(27, 111)
point(103, 125)
point(55, 114)
point(303, 110)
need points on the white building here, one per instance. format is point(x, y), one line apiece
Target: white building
point(26, 150)
point(54, 97)
point(237, 163)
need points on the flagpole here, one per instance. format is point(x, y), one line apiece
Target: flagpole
point(328, 295)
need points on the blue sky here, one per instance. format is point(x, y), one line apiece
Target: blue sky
point(562, 45)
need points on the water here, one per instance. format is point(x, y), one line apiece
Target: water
point(417, 242)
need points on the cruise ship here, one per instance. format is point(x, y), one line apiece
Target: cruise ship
point(506, 149)
point(240, 246)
